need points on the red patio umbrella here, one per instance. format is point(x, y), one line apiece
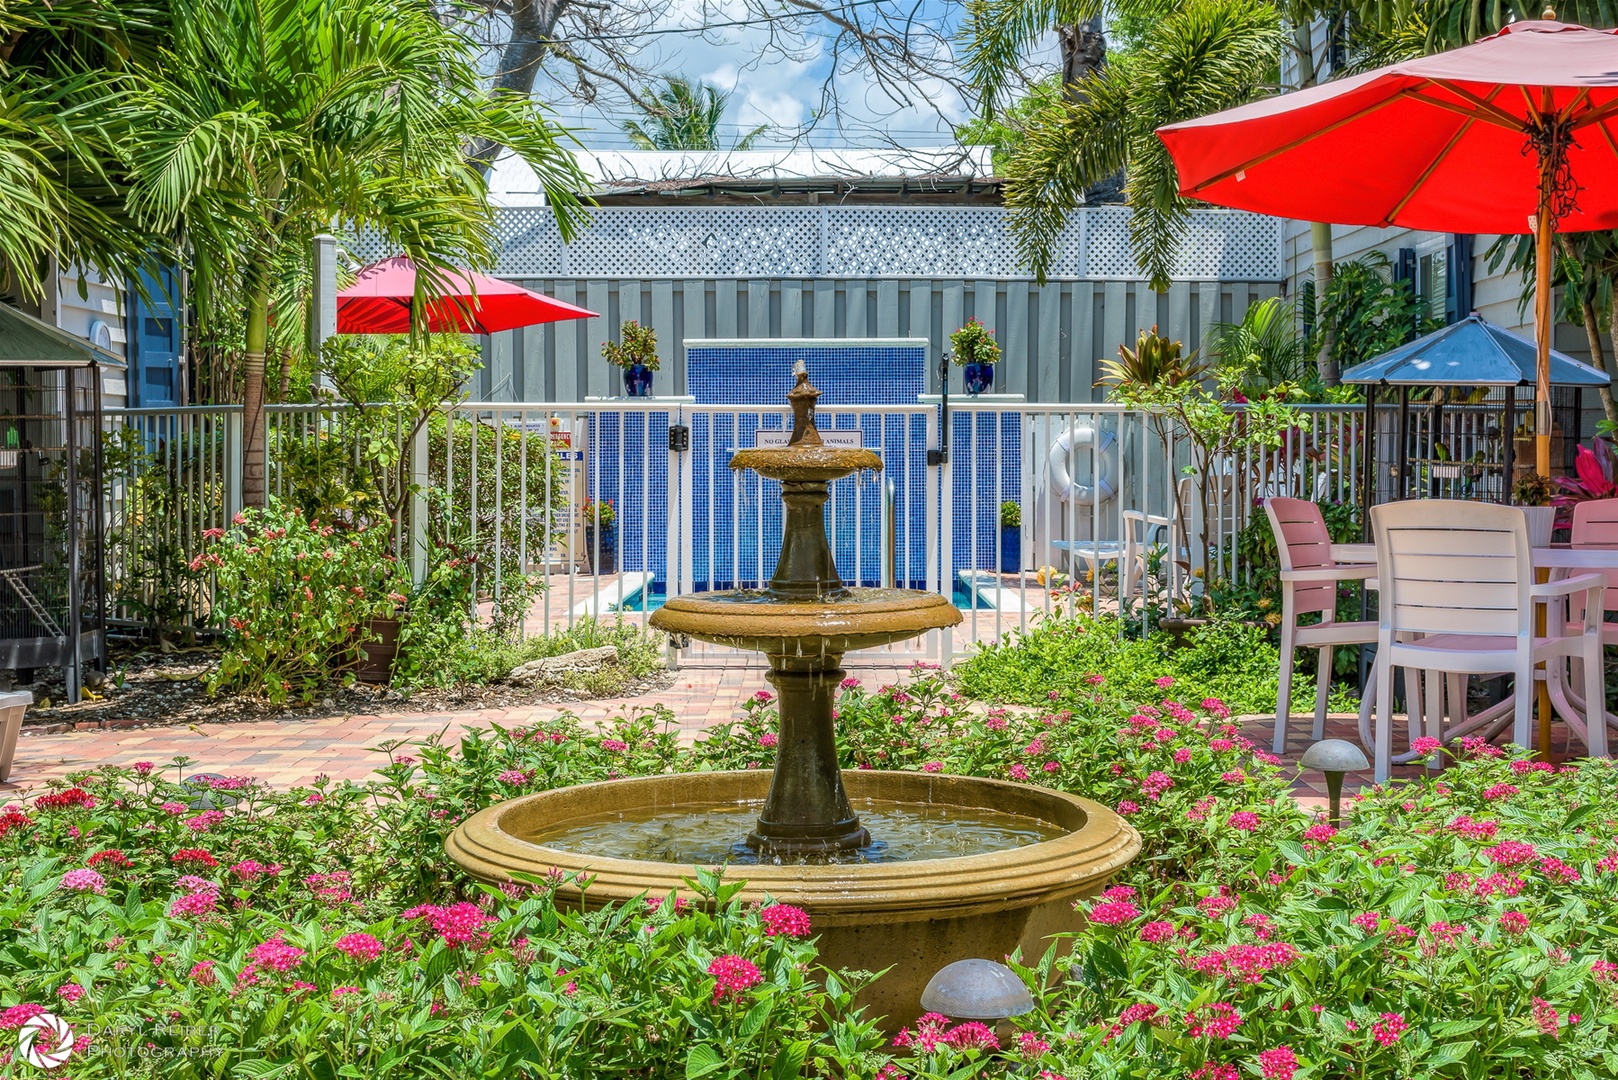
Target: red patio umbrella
point(1514, 133)
point(379, 303)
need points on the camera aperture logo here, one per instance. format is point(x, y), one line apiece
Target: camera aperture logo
point(45, 1041)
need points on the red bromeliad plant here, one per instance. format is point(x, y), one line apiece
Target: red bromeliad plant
point(1592, 479)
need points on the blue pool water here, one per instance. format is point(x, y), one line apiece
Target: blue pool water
point(635, 602)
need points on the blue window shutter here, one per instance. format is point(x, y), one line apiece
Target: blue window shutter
point(154, 341)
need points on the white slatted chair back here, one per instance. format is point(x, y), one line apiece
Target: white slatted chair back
point(1595, 524)
point(1450, 566)
point(1303, 543)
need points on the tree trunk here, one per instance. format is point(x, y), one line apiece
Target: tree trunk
point(1320, 244)
point(1598, 355)
point(1084, 51)
point(533, 22)
point(253, 433)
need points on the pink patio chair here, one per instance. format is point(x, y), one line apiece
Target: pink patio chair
point(1310, 576)
point(1595, 524)
point(1458, 576)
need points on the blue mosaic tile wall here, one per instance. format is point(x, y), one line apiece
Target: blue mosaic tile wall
point(744, 529)
point(986, 466)
point(620, 442)
point(738, 517)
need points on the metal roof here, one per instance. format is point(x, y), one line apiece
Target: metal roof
point(1471, 352)
point(27, 342)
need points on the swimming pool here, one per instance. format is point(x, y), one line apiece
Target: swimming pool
point(656, 597)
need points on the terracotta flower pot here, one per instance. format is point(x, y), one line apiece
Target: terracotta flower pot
point(377, 656)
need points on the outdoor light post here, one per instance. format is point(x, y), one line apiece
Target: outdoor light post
point(1334, 757)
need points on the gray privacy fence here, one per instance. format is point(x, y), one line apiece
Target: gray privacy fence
point(1101, 495)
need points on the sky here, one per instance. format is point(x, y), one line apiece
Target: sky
point(783, 91)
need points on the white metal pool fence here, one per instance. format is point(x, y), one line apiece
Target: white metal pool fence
point(1108, 516)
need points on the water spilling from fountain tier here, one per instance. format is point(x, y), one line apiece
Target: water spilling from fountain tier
point(709, 835)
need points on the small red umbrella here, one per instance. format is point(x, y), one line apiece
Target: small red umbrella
point(1515, 133)
point(379, 303)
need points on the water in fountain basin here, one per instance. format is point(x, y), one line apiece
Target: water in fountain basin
point(903, 832)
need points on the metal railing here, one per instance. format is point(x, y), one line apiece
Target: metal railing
point(515, 487)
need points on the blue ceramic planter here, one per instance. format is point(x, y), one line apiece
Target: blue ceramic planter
point(978, 377)
point(637, 381)
point(1010, 549)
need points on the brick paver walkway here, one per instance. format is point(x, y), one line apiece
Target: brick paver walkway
point(285, 753)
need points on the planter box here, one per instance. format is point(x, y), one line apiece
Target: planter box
point(12, 706)
point(376, 657)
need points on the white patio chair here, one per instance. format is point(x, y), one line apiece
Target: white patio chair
point(1310, 575)
point(1461, 576)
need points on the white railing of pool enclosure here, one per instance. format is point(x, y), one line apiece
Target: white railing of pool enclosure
point(198, 449)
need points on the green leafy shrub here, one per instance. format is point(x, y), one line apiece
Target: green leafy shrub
point(1047, 665)
point(293, 598)
point(476, 655)
point(974, 344)
point(636, 344)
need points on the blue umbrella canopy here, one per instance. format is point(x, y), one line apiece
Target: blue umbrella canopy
point(1471, 352)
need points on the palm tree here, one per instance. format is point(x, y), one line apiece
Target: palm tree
point(685, 116)
point(59, 159)
point(262, 122)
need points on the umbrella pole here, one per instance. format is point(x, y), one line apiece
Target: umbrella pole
point(1542, 338)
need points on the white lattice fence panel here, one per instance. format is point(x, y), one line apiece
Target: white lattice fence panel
point(531, 244)
point(946, 242)
point(716, 242)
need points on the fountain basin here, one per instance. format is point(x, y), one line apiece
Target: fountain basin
point(912, 917)
point(758, 620)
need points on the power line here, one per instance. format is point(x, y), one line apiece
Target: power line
point(703, 29)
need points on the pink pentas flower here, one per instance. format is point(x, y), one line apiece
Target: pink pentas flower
point(1182, 755)
point(1511, 853)
point(1216, 1071)
point(1558, 871)
point(1278, 1063)
point(83, 881)
point(768, 739)
point(933, 767)
point(1143, 1012)
point(18, 1015)
point(1501, 791)
point(1514, 922)
point(1031, 1046)
point(1018, 771)
point(175, 808)
point(733, 976)
point(1155, 932)
point(1216, 906)
point(1120, 892)
point(1367, 921)
point(1163, 682)
point(359, 947)
point(276, 955)
point(70, 992)
point(1387, 1029)
point(457, 924)
point(1546, 1018)
point(1320, 833)
point(1113, 913)
point(1243, 821)
point(202, 973)
point(1156, 784)
point(763, 697)
point(194, 904)
point(971, 1035)
point(1125, 808)
point(1218, 1020)
point(1426, 745)
point(616, 746)
point(784, 920)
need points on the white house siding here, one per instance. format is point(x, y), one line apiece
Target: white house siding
point(1052, 335)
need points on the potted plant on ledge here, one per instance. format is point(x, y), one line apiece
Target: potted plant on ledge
point(600, 537)
point(636, 352)
point(975, 351)
point(1010, 537)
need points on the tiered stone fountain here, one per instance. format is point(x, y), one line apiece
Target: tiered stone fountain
point(958, 867)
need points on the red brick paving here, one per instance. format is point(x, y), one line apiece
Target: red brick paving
point(287, 753)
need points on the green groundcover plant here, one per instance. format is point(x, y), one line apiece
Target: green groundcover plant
point(1460, 926)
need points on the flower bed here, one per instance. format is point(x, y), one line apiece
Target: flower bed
point(1455, 928)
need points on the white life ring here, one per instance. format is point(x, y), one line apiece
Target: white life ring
point(1105, 486)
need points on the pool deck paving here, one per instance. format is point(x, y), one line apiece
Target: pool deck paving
point(290, 752)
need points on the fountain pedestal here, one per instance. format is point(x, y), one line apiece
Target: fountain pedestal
point(807, 811)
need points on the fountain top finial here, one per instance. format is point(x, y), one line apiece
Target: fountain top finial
point(802, 398)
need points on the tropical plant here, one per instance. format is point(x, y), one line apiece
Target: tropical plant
point(261, 121)
point(1201, 56)
point(1010, 515)
point(599, 514)
point(1155, 361)
point(1367, 313)
point(636, 344)
point(974, 344)
point(1592, 477)
point(1267, 347)
point(685, 115)
point(1532, 489)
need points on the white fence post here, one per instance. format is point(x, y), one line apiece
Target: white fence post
point(233, 465)
point(418, 503)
